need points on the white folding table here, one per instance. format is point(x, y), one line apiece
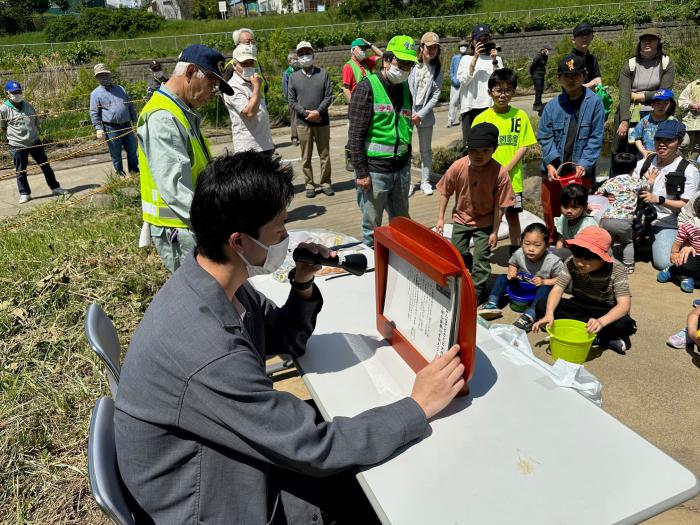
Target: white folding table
point(517, 449)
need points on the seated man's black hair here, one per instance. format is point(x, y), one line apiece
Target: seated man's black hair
point(238, 193)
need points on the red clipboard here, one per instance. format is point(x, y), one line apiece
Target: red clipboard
point(437, 258)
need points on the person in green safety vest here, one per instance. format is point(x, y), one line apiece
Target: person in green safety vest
point(355, 70)
point(380, 137)
point(173, 151)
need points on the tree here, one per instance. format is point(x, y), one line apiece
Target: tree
point(63, 5)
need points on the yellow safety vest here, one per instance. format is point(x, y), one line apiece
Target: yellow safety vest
point(155, 210)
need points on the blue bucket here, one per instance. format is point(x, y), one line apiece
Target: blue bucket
point(521, 293)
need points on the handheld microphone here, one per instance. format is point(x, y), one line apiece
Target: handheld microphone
point(354, 263)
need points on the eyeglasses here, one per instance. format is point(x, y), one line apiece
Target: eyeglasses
point(506, 92)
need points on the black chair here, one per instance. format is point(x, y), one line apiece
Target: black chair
point(103, 339)
point(105, 480)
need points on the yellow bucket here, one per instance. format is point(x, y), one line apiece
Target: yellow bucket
point(569, 340)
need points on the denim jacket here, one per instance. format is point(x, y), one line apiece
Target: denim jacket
point(555, 124)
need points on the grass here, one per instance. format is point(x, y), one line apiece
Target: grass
point(272, 21)
point(50, 270)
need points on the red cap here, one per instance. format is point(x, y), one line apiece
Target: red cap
point(594, 239)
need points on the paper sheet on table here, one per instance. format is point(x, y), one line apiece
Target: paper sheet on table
point(516, 348)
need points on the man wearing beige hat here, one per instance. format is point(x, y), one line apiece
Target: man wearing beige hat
point(250, 121)
point(113, 116)
point(310, 93)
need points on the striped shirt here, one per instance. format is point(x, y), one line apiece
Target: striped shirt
point(689, 235)
point(601, 287)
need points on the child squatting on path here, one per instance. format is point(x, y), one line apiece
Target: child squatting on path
point(600, 292)
point(574, 217)
point(482, 193)
point(532, 258)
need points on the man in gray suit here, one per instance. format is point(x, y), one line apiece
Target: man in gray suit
point(201, 434)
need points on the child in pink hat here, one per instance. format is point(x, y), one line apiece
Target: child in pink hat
point(600, 291)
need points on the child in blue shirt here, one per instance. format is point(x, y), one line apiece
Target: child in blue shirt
point(663, 107)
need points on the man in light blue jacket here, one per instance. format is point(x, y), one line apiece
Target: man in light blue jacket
point(453, 110)
point(571, 131)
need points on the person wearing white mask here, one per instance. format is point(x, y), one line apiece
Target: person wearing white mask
point(380, 137)
point(20, 123)
point(200, 431)
point(310, 94)
point(246, 37)
point(158, 78)
point(455, 86)
point(250, 121)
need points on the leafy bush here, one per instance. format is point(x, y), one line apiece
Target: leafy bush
point(99, 23)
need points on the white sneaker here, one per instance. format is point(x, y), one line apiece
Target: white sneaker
point(59, 191)
point(24, 198)
point(427, 188)
point(411, 189)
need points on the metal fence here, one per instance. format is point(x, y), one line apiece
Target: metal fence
point(180, 41)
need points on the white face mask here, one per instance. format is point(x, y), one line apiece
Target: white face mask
point(463, 50)
point(306, 60)
point(360, 55)
point(396, 75)
point(248, 72)
point(253, 48)
point(15, 98)
point(276, 254)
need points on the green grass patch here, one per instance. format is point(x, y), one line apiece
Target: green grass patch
point(50, 270)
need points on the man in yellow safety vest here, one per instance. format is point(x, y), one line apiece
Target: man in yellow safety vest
point(379, 137)
point(173, 151)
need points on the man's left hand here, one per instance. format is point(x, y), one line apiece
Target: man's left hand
point(305, 271)
point(493, 240)
point(313, 116)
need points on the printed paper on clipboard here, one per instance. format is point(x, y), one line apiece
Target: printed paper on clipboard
point(423, 312)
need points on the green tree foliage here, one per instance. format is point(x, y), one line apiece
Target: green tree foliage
point(63, 5)
point(17, 16)
point(204, 9)
point(96, 23)
point(386, 9)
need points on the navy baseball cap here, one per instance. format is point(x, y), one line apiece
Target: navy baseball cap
point(583, 28)
point(480, 30)
point(207, 58)
point(670, 129)
point(11, 86)
point(663, 94)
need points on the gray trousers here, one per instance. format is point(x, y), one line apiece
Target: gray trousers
point(425, 143)
point(172, 252)
point(621, 232)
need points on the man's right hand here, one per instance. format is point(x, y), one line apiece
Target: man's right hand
point(364, 183)
point(313, 116)
point(439, 382)
point(256, 80)
point(623, 128)
point(100, 134)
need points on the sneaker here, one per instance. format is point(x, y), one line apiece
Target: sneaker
point(524, 322)
point(59, 191)
point(24, 198)
point(688, 285)
point(630, 268)
point(328, 190)
point(696, 303)
point(310, 193)
point(427, 188)
point(679, 340)
point(489, 311)
point(616, 345)
point(664, 275)
point(411, 189)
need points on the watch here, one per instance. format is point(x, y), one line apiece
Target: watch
point(296, 284)
point(662, 199)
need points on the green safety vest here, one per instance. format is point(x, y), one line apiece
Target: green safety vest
point(390, 132)
point(155, 210)
point(357, 70)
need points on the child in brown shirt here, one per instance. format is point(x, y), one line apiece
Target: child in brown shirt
point(481, 197)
